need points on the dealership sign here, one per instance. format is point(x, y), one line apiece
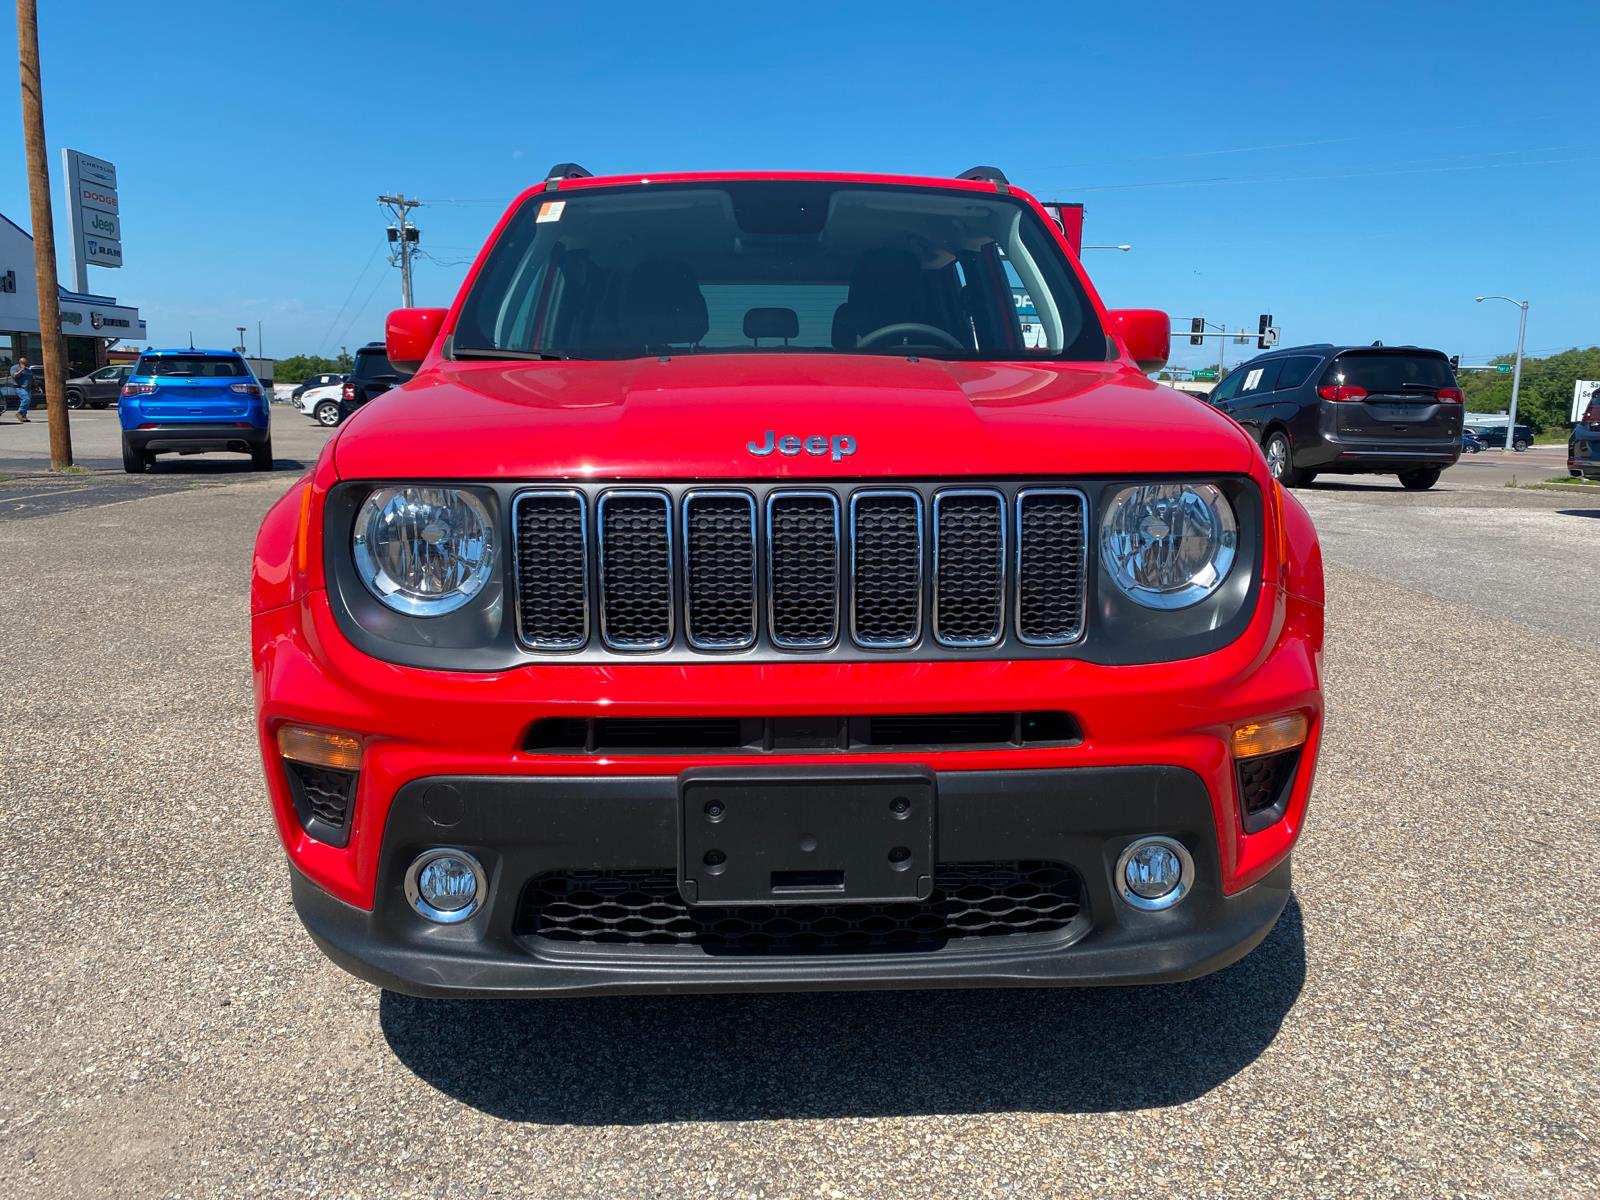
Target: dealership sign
point(94, 213)
point(1583, 392)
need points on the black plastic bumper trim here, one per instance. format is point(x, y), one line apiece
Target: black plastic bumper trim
point(519, 827)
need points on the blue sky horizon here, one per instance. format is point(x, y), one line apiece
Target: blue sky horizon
point(1360, 179)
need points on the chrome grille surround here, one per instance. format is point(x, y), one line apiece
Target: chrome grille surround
point(577, 641)
point(612, 622)
point(781, 559)
point(947, 591)
point(869, 496)
point(1075, 583)
point(777, 570)
point(695, 598)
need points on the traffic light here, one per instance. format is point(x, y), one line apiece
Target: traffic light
point(1264, 324)
point(1197, 328)
point(1455, 362)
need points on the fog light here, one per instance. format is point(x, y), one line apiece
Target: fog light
point(1154, 873)
point(446, 886)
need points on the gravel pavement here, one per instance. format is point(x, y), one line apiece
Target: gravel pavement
point(1421, 1022)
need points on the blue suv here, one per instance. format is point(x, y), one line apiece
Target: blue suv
point(192, 402)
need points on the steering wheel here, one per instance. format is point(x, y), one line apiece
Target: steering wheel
point(903, 327)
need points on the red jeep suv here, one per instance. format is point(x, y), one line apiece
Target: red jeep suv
point(735, 600)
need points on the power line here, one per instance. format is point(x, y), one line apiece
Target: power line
point(371, 258)
point(362, 311)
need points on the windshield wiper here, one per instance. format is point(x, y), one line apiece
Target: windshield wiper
point(515, 355)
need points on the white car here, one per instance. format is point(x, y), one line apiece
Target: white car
point(322, 405)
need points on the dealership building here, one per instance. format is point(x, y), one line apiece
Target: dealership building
point(92, 324)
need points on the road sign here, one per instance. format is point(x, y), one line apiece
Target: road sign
point(1584, 392)
point(1502, 368)
point(93, 213)
point(1204, 375)
point(1264, 327)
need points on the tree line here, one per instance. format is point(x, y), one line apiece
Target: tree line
point(1545, 399)
point(301, 367)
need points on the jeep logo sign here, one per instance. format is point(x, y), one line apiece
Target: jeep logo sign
point(842, 446)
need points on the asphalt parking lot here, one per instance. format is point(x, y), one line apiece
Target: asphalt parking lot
point(1420, 1022)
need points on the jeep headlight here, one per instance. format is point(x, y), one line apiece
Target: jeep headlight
point(1169, 545)
point(424, 551)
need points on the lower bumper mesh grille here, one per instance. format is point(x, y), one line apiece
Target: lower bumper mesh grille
point(973, 900)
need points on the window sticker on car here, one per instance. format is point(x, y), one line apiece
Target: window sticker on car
point(550, 210)
point(1252, 379)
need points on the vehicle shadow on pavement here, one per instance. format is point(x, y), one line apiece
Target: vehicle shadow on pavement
point(219, 466)
point(636, 1060)
point(1578, 512)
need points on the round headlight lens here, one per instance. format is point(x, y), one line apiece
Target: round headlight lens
point(1169, 545)
point(424, 551)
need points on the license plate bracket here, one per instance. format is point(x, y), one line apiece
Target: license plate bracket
point(806, 836)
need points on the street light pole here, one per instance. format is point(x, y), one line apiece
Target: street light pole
point(1516, 376)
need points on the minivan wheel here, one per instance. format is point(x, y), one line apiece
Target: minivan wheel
point(327, 413)
point(1419, 480)
point(134, 462)
point(1280, 460)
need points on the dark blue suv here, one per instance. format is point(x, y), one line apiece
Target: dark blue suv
point(193, 402)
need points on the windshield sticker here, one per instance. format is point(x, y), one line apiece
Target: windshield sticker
point(1250, 380)
point(550, 210)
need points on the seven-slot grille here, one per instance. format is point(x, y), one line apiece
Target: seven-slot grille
point(799, 569)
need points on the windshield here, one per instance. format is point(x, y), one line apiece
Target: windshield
point(778, 267)
point(209, 366)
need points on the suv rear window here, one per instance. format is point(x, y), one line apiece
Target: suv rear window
point(1379, 372)
point(208, 366)
point(373, 364)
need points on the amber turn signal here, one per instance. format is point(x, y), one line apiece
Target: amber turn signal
point(1269, 736)
point(319, 747)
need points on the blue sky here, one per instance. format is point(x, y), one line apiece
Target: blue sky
point(1360, 176)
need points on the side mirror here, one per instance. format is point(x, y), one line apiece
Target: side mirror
point(1146, 334)
point(409, 334)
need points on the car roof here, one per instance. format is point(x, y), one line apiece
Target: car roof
point(1330, 350)
point(190, 350)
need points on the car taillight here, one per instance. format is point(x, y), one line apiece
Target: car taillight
point(138, 389)
point(246, 389)
point(1591, 416)
point(1341, 391)
point(1448, 395)
point(349, 392)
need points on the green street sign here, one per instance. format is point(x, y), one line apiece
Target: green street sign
point(1204, 375)
point(1502, 368)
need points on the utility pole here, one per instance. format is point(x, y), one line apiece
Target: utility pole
point(1516, 379)
point(405, 236)
point(44, 235)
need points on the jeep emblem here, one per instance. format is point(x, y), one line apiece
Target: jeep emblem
point(842, 446)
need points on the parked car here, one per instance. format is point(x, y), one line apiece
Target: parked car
point(1471, 443)
point(1495, 435)
point(324, 404)
point(370, 377)
point(1348, 410)
point(325, 379)
point(1583, 447)
point(99, 388)
point(193, 402)
point(744, 622)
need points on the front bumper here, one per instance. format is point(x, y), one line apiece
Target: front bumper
point(1154, 758)
point(198, 439)
point(521, 829)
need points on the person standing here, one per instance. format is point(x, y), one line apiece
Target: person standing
point(22, 380)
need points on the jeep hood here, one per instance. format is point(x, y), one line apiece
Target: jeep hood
point(692, 417)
